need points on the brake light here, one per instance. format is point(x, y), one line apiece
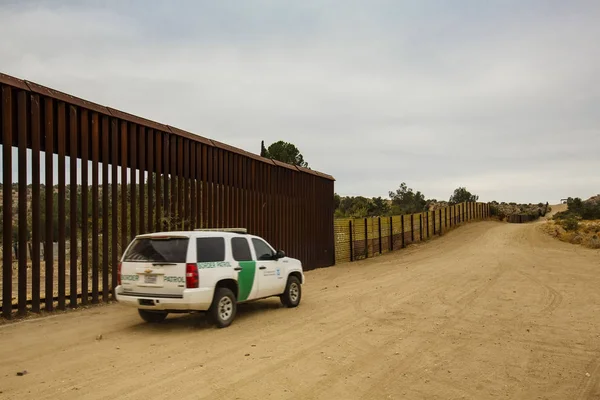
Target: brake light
point(192, 279)
point(119, 274)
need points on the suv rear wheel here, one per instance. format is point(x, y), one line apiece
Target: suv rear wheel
point(223, 308)
point(153, 316)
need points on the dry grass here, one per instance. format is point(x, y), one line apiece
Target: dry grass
point(587, 234)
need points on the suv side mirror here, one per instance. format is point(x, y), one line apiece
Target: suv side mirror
point(279, 254)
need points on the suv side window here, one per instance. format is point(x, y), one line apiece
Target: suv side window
point(210, 249)
point(240, 249)
point(263, 251)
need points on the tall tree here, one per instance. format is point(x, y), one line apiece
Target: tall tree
point(407, 201)
point(263, 149)
point(462, 195)
point(286, 152)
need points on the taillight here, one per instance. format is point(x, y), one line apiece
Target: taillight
point(191, 276)
point(119, 274)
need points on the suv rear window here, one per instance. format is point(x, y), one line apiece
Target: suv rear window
point(210, 249)
point(171, 250)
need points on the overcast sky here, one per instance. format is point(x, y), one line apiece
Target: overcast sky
point(499, 96)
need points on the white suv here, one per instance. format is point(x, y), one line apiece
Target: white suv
point(204, 270)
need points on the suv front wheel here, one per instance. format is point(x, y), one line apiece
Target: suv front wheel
point(293, 293)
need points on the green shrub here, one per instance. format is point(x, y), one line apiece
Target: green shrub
point(570, 224)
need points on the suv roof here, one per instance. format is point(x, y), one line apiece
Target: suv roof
point(197, 233)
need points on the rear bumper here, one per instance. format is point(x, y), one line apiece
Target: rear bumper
point(191, 300)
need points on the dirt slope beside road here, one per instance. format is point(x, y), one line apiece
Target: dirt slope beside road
point(488, 311)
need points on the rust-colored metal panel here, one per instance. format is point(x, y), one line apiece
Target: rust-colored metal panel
point(220, 191)
point(49, 165)
point(7, 198)
point(7, 203)
point(191, 136)
point(150, 161)
point(158, 188)
point(22, 120)
point(124, 192)
point(61, 135)
point(114, 230)
point(186, 184)
point(73, 195)
point(35, 202)
point(105, 207)
point(95, 206)
point(166, 187)
point(228, 163)
point(214, 188)
point(85, 143)
point(199, 197)
point(173, 177)
point(141, 206)
point(135, 120)
point(133, 165)
point(205, 198)
point(252, 196)
point(192, 168)
point(14, 82)
point(180, 183)
point(64, 97)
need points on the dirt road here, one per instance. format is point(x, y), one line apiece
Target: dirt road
point(488, 311)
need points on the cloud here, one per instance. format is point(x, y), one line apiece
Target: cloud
point(498, 96)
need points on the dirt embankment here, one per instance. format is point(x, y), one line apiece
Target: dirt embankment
point(490, 310)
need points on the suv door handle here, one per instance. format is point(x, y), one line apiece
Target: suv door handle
point(237, 269)
point(262, 267)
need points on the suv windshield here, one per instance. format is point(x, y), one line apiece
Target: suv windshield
point(171, 250)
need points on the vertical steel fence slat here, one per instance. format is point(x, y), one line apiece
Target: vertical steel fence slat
point(22, 200)
point(73, 245)
point(114, 230)
point(95, 207)
point(105, 208)
point(61, 205)
point(7, 203)
point(35, 202)
point(186, 184)
point(150, 161)
point(124, 192)
point(141, 206)
point(84, 129)
point(158, 141)
point(180, 183)
point(133, 160)
point(49, 165)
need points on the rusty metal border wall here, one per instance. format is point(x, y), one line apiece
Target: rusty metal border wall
point(197, 182)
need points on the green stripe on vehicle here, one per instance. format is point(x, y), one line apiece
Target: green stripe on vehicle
point(246, 279)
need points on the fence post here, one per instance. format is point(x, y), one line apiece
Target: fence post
point(366, 240)
point(434, 228)
point(351, 241)
point(402, 228)
point(440, 222)
point(412, 228)
point(379, 227)
point(421, 227)
point(391, 241)
point(446, 217)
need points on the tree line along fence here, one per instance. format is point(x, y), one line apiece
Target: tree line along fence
point(90, 174)
point(361, 238)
